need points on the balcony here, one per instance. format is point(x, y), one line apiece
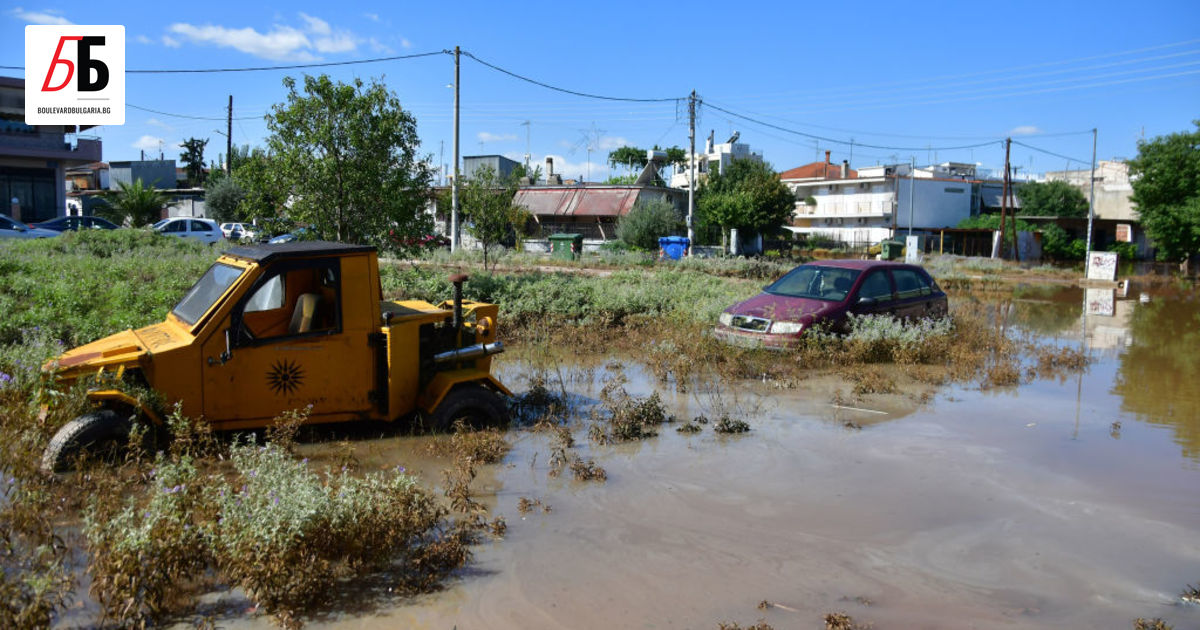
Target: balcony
point(851, 209)
point(70, 148)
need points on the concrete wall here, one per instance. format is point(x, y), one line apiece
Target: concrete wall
point(502, 166)
point(157, 173)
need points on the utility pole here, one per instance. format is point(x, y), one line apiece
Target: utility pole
point(691, 230)
point(1012, 203)
point(998, 249)
point(1091, 207)
point(454, 182)
point(528, 173)
point(229, 138)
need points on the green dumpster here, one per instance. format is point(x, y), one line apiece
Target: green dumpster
point(891, 250)
point(566, 246)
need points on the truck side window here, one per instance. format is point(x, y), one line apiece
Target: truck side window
point(268, 297)
point(296, 301)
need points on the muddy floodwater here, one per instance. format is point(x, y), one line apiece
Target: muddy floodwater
point(1071, 502)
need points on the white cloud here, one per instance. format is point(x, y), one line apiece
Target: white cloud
point(170, 42)
point(575, 170)
point(142, 39)
point(149, 143)
point(374, 17)
point(154, 122)
point(405, 43)
point(379, 47)
point(281, 43)
point(340, 41)
point(492, 137)
point(1025, 130)
point(316, 25)
point(39, 17)
point(608, 143)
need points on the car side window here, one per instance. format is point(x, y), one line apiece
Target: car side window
point(5, 224)
point(876, 286)
point(175, 227)
point(911, 284)
point(200, 226)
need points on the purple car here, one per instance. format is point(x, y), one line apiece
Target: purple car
point(827, 292)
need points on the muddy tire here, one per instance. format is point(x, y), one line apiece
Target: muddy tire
point(103, 434)
point(472, 403)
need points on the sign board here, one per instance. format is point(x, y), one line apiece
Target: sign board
point(1102, 266)
point(1124, 233)
point(1100, 302)
point(74, 75)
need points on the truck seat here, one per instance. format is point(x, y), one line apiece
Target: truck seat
point(304, 314)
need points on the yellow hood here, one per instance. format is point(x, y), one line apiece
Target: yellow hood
point(124, 348)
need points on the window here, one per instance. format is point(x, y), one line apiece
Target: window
point(297, 299)
point(7, 223)
point(911, 283)
point(955, 190)
point(876, 286)
point(175, 227)
point(206, 291)
point(200, 226)
point(813, 281)
point(268, 297)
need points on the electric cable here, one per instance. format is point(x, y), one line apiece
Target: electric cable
point(566, 91)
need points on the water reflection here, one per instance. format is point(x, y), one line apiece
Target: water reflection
point(1158, 377)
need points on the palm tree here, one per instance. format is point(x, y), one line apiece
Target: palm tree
point(136, 203)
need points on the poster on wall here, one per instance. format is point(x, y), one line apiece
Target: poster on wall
point(1102, 266)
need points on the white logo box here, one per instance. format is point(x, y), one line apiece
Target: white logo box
point(71, 78)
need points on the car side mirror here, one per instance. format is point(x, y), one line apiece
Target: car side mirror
point(866, 301)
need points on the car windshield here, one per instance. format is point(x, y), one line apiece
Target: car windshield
point(816, 282)
point(159, 224)
point(205, 292)
point(11, 224)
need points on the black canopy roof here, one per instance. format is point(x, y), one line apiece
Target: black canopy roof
point(296, 249)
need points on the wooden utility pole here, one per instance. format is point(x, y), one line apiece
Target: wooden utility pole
point(454, 183)
point(1012, 203)
point(229, 138)
point(998, 250)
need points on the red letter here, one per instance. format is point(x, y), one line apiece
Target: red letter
point(70, 67)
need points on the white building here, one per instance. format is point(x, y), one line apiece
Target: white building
point(873, 203)
point(1112, 188)
point(715, 159)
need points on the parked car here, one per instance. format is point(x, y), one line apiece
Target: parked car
point(203, 230)
point(828, 292)
point(11, 228)
point(238, 231)
point(72, 224)
point(302, 234)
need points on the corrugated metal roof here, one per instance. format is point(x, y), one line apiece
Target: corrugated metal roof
point(588, 202)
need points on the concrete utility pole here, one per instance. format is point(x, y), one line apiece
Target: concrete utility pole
point(1091, 208)
point(229, 138)
point(912, 188)
point(454, 182)
point(691, 230)
point(998, 250)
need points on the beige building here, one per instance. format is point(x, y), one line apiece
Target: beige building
point(1112, 189)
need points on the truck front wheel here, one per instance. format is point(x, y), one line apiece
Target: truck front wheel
point(472, 403)
point(103, 433)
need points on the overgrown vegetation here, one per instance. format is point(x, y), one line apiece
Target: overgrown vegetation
point(646, 222)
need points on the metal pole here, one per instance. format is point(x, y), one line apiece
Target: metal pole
point(1091, 208)
point(229, 138)
point(691, 230)
point(912, 186)
point(454, 183)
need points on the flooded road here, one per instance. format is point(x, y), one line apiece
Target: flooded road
point(1061, 503)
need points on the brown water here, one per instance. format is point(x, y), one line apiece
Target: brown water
point(1023, 507)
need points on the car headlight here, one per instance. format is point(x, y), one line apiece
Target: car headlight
point(786, 328)
point(726, 319)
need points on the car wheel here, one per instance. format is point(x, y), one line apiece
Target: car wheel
point(103, 434)
point(474, 404)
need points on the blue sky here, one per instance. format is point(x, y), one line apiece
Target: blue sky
point(917, 79)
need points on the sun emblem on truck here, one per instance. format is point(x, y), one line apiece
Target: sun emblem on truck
point(285, 377)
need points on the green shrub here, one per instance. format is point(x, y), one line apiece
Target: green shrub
point(646, 222)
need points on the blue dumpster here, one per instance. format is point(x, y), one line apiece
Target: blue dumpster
point(673, 247)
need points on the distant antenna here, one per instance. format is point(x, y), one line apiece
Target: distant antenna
point(527, 156)
point(591, 142)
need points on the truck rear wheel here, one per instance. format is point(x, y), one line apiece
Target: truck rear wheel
point(103, 434)
point(472, 403)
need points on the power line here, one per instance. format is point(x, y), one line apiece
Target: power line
point(1057, 155)
point(847, 142)
point(573, 92)
point(161, 113)
point(298, 66)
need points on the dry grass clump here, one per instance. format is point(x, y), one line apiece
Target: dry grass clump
point(728, 425)
point(869, 380)
point(563, 456)
point(486, 446)
point(538, 404)
point(626, 417)
point(1151, 624)
point(761, 624)
point(526, 505)
point(842, 621)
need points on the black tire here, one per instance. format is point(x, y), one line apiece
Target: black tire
point(103, 433)
point(473, 403)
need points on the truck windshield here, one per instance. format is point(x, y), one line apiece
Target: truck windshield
point(205, 292)
point(816, 282)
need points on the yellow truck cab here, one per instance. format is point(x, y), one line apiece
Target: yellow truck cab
point(272, 328)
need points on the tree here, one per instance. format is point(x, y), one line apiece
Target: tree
point(134, 203)
point(488, 209)
point(347, 156)
point(1052, 199)
point(534, 175)
point(627, 156)
point(647, 221)
point(221, 199)
point(747, 196)
point(1057, 244)
point(1166, 191)
point(193, 160)
point(264, 191)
